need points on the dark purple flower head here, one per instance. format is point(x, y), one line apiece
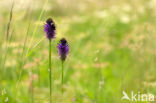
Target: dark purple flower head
point(50, 29)
point(63, 49)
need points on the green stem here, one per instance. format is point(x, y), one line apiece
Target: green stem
point(39, 79)
point(50, 76)
point(38, 76)
point(62, 74)
point(31, 86)
point(32, 89)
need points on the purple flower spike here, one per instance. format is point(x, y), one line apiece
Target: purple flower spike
point(50, 29)
point(63, 49)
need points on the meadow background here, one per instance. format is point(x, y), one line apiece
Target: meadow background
point(112, 49)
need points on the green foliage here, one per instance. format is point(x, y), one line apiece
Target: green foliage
point(112, 49)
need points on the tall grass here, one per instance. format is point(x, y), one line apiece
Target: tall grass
point(125, 61)
point(9, 23)
point(29, 44)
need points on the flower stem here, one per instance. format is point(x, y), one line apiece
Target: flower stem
point(50, 72)
point(62, 74)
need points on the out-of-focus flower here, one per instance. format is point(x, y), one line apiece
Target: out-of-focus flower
point(29, 65)
point(50, 29)
point(10, 63)
point(96, 59)
point(63, 49)
point(101, 83)
point(73, 99)
point(100, 65)
point(125, 19)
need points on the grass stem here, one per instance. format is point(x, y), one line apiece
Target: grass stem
point(32, 89)
point(39, 76)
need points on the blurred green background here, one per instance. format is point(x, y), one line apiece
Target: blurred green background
point(112, 49)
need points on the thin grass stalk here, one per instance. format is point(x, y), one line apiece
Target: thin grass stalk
point(98, 89)
point(23, 59)
point(50, 71)
point(35, 29)
point(9, 23)
point(6, 53)
point(34, 47)
point(38, 75)
point(39, 85)
point(22, 55)
point(7, 36)
point(32, 88)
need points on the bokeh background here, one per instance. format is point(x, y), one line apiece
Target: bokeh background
point(112, 49)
